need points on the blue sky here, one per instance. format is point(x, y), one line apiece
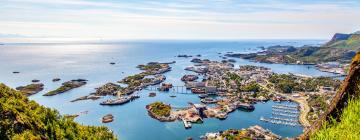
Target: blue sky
point(184, 19)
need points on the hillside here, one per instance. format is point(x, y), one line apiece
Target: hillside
point(341, 48)
point(346, 41)
point(22, 119)
point(341, 119)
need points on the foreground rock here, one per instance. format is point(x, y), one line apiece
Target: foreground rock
point(66, 86)
point(31, 89)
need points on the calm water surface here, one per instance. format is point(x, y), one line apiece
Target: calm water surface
point(91, 61)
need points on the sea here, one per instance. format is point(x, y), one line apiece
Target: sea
point(90, 60)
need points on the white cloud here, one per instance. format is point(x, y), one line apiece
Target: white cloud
point(154, 20)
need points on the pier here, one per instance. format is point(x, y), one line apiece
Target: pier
point(277, 121)
point(284, 115)
point(285, 107)
point(285, 111)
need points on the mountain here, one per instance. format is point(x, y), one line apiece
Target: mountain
point(340, 121)
point(341, 48)
point(345, 41)
point(22, 119)
point(357, 32)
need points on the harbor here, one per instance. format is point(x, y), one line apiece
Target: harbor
point(134, 112)
point(283, 114)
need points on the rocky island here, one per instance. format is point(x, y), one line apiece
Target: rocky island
point(160, 111)
point(66, 86)
point(31, 89)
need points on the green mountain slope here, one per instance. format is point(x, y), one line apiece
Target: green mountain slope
point(348, 128)
point(351, 43)
point(21, 118)
point(341, 120)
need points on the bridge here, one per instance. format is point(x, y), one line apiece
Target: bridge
point(174, 89)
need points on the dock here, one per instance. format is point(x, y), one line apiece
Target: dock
point(187, 124)
point(277, 121)
point(283, 115)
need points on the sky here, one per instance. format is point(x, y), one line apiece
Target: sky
point(182, 19)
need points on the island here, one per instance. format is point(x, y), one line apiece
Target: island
point(152, 74)
point(160, 111)
point(31, 89)
point(66, 86)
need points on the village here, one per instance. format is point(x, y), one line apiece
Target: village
point(230, 88)
point(222, 89)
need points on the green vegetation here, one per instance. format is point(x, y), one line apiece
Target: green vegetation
point(133, 78)
point(65, 87)
point(353, 43)
point(150, 67)
point(345, 125)
point(318, 106)
point(159, 109)
point(22, 119)
point(31, 89)
point(232, 134)
point(348, 128)
point(253, 86)
point(287, 83)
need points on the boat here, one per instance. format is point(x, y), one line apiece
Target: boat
point(208, 101)
point(198, 90)
point(203, 95)
point(187, 124)
point(246, 106)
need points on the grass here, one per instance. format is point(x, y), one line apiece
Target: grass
point(347, 129)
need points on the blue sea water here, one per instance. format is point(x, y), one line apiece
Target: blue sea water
point(45, 61)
